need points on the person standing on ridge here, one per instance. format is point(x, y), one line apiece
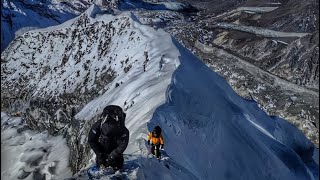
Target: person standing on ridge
point(157, 142)
point(109, 137)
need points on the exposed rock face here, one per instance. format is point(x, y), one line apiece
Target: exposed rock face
point(291, 16)
point(296, 62)
point(297, 56)
point(301, 62)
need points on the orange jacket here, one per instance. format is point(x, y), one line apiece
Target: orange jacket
point(155, 140)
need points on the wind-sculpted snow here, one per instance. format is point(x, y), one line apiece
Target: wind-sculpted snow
point(217, 134)
point(26, 154)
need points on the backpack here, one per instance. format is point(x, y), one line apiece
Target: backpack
point(114, 115)
point(156, 132)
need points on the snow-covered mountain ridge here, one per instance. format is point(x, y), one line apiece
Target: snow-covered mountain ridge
point(56, 78)
point(52, 73)
point(290, 58)
point(220, 135)
point(21, 16)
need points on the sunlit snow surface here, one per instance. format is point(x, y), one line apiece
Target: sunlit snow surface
point(18, 17)
point(210, 132)
point(29, 155)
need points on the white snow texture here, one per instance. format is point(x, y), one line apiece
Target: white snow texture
point(29, 155)
point(210, 132)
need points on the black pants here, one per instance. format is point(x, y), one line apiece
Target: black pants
point(117, 164)
point(155, 150)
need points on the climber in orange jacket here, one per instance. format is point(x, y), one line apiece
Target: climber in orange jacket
point(157, 142)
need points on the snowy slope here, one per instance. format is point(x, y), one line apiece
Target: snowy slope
point(139, 59)
point(60, 59)
point(25, 153)
point(210, 132)
point(20, 16)
point(213, 133)
point(217, 134)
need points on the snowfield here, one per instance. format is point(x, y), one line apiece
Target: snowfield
point(26, 154)
point(210, 132)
